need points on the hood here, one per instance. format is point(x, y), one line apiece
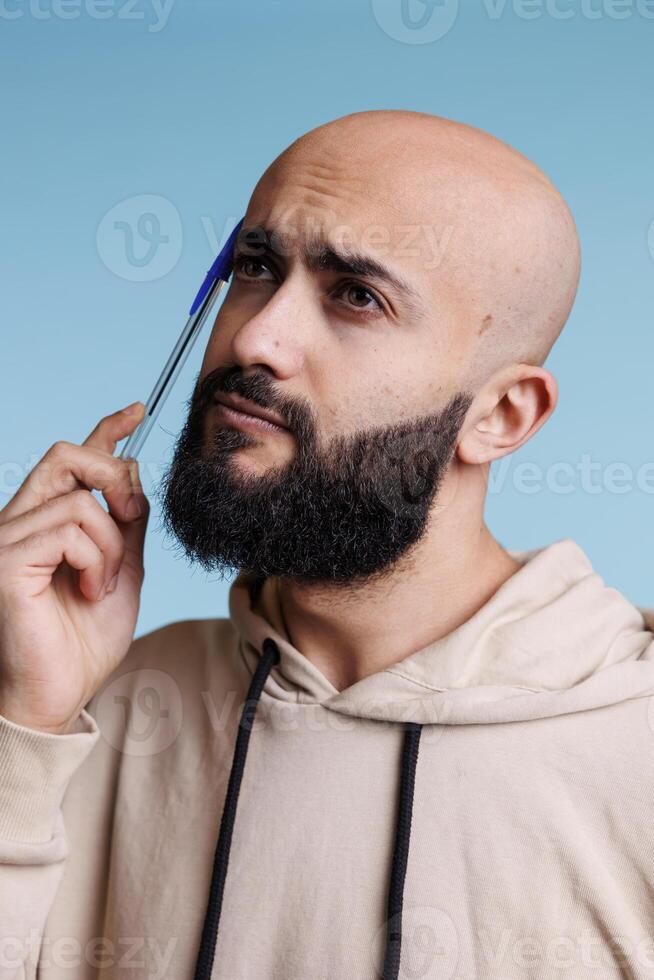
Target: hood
point(553, 639)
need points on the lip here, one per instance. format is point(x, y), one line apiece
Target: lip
point(247, 419)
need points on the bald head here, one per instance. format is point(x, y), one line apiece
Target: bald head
point(480, 232)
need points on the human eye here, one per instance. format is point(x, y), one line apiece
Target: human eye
point(358, 296)
point(248, 267)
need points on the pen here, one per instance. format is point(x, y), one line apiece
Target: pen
point(209, 291)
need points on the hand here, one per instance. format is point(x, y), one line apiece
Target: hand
point(70, 576)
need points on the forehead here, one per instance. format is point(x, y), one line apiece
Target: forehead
point(305, 202)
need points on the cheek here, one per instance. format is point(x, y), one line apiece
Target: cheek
point(361, 394)
point(393, 387)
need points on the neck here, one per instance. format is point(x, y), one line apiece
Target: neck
point(455, 568)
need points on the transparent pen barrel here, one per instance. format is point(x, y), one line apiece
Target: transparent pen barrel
point(170, 372)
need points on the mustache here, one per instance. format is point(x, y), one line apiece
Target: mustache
point(257, 388)
point(225, 381)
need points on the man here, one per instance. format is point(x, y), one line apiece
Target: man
point(407, 752)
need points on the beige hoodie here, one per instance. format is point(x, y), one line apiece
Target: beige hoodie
point(531, 849)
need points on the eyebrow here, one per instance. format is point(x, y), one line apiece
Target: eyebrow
point(322, 256)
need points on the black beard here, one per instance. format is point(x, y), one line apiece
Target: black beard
point(343, 515)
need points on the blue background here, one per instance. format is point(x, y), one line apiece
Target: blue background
point(192, 108)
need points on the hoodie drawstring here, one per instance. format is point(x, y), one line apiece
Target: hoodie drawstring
point(401, 851)
point(204, 963)
point(206, 952)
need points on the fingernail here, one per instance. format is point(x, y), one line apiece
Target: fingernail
point(112, 584)
point(101, 594)
point(132, 409)
point(133, 508)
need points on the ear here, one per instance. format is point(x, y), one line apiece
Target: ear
point(511, 407)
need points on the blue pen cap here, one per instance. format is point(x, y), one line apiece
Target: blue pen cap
point(221, 269)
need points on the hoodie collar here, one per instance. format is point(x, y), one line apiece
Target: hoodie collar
point(552, 639)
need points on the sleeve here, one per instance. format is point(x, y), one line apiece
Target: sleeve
point(35, 770)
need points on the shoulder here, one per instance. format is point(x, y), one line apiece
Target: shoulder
point(175, 668)
point(184, 645)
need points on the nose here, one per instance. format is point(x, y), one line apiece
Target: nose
point(276, 336)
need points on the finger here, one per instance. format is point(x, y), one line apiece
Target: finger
point(134, 539)
point(103, 438)
point(29, 564)
point(79, 507)
point(112, 428)
point(66, 467)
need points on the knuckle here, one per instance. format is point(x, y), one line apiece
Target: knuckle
point(68, 533)
point(68, 530)
point(52, 469)
point(84, 503)
point(59, 448)
point(102, 529)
